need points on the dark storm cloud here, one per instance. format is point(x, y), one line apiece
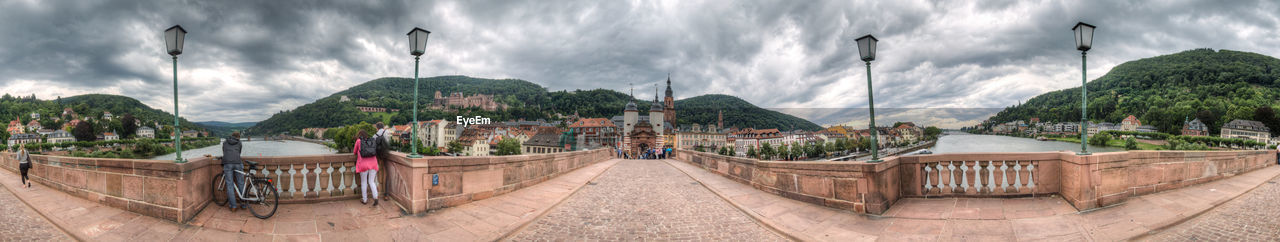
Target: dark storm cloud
point(246, 60)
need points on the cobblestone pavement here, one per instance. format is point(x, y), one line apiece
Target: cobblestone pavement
point(1254, 216)
point(645, 200)
point(19, 223)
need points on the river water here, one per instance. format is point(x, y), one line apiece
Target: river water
point(956, 142)
point(259, 148)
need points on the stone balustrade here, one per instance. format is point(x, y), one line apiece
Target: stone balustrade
point(1087, 182)
point(179, 191)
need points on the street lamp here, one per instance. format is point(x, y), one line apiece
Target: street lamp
point(867, 47)
point(417, 46)
point(173, 39)
point(1084, 42)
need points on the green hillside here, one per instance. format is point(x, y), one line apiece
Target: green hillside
point(737, 112)
point(524, 99)
point(1215, 86)
point(89, 105)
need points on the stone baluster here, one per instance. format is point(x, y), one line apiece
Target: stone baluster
point(1004, 176)
point(942, 179)
point(991, 176)
point(928, 184)
point(342, 178)
point(292, 188)
point(303, 173)
point(279, 175)
point(1017, 174)
point(1031, 176)
point(964, 176)
point(316, 189)
point(951, 172)
point(330, 171)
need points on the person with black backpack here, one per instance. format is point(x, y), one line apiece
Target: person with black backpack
point(367, 165)
point(384, 154)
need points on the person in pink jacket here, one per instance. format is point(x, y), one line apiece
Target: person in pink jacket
point(368, 169)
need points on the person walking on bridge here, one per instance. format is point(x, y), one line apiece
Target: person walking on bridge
point(24, 164)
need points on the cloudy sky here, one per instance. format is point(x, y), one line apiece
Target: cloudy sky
point(245, 60)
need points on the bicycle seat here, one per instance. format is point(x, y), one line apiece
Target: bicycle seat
point(250, 163)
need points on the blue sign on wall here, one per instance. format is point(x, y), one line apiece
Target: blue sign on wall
point(435, 179)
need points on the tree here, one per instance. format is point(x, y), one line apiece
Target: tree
point(127, 126)
point(766, 151)
point(784, 153)
point(751, 151)
point(84, 132)
point(1131, 143)
point(508, 147)
point(1268, 117)
point(699, 148)
point(454, 147)
point(932, 132)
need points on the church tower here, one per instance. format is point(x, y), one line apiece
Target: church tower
point(669, 115)
point(656, 114)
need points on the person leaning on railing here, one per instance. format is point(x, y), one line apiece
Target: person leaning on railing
point(384, 155)
point(231, 162)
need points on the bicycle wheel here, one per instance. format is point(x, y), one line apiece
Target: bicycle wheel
point(219, 190)
point(267, 201)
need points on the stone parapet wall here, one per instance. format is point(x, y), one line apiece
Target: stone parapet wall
point(157, 188)
point(1086, 182)
point(177, 192)
point(1106, 179)
point(465, 179)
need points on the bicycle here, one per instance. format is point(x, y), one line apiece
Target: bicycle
point(259, 194)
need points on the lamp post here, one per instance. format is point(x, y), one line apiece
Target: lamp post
point(417, 46)
point(173, 38)
point(1084, 42)
point(867, 48)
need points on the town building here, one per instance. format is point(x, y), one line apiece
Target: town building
point(1195, 128)
point(20, 139)
point(15, 127)
point(1104, 126)
point(60, 136)
point(457, 100)
point(109, 136)
point(190, 134)
point(34, 125)
point(145, 132)
point(708, 137)
point(438, 132)
point(371, 109)
point(749, 137)
point(1130, 123)
point(546, 140)
point(595, 132)
point(35, 115)
point(1246, 129)
point(1147, 128)
point(107, 116)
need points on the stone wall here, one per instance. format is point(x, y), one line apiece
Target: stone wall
point(157, 188)
point(177, 192)
point(1084, 181)
point(465, 179)
point(1106, 179)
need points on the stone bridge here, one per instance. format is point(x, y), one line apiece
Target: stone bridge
point(695, 196)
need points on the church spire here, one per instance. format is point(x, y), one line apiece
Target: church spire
point(668, 84)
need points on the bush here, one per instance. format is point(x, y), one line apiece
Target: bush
point(1100, 139)
point(1131, 143)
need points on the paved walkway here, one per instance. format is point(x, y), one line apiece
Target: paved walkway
point(648, 199)
point(981, 219)
point(19, 223)
point(1254, 216)
point(484, 220)
point(645, 200)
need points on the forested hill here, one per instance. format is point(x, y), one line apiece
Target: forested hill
point(89, 105)
point(737, 112)
point(523, 99)
point(1163, 91)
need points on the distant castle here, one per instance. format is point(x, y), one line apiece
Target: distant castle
point(458, 100)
